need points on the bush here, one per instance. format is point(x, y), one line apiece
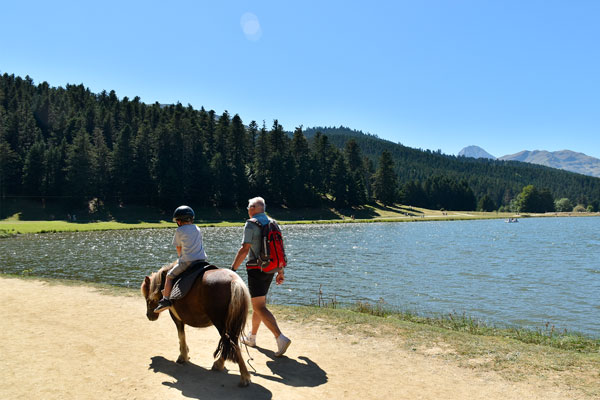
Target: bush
point(579, 208)
point(563, 205)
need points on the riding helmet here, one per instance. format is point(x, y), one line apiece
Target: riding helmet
point(183, 213)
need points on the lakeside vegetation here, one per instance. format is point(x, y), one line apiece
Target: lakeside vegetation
point(142, 219)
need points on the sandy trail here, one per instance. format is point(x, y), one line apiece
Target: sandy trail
point(72, 342)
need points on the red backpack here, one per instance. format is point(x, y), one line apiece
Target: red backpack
point(272, 252)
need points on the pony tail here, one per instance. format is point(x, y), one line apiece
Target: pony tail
point(235, 322)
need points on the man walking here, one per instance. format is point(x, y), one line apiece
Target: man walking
point(259, 281)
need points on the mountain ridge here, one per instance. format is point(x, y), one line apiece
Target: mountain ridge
point(566, 160)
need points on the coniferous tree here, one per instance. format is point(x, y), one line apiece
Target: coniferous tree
point(101, 165)
point(56, 165)
point(340, 182)
point(486, 204)
point(33, 169)
point(357, 183)
point(385, 182)
point(259, 180)
point(9, 162)
point(79, 173)
point(238, 142)
point(301, 187)
point(122, 159)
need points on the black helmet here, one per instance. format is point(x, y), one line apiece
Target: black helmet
point(183, 213)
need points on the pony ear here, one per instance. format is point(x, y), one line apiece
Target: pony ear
point(146, 286)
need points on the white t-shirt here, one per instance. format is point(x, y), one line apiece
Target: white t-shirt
point(189, 238)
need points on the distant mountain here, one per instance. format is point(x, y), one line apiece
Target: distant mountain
point(475, 152)
point(565, 159)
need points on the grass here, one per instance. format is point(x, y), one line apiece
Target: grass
point(546, 336)
point(568, 360)
point(32, 217)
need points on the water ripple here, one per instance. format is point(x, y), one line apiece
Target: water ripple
point(529, 273)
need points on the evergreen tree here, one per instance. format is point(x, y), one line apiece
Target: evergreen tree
point(385, 182)
point(79, 173)
point(340, 182)
point(357, 184)
point(301, 190)
point(259, 180)
point(166, 162)
point(56, 165)
point(238, 142)
point(486, 204)
point(8, 171)
point(101, 165)
point(122, 160)
point(33, 169)
point(412, 194)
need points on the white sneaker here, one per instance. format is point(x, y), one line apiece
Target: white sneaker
point(282, 345)
point(249, 340)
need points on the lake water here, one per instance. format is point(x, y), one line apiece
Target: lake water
point(528, 273)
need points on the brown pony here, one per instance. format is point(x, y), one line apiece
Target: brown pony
point(221, 299)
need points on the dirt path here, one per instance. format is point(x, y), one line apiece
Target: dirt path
point(65, 342)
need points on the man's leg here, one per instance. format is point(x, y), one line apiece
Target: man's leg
point(262, 314)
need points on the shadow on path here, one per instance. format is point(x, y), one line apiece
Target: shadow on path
point(291, 372)
point(199, 383)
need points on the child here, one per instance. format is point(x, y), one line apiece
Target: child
point(188, 242)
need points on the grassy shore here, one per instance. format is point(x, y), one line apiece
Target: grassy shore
point(141, 219)
point(566, 359)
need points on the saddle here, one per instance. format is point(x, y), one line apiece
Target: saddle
point(186, 280)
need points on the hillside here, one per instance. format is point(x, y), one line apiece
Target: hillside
point(564, 159)
point(501, 180)
point(73, 151)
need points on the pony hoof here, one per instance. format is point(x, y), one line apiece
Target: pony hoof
point(217, 367)
point(244, 383)
point(182, 360)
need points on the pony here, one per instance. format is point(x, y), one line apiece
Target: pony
point(220, 298)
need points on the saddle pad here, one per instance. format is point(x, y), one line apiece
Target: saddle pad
point(186, 280)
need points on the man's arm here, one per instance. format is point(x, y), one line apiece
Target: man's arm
point(241, 255)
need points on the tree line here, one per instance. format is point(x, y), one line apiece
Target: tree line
point(71, 146)
point(496, 184)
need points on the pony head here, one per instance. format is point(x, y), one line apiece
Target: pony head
point(151, 290)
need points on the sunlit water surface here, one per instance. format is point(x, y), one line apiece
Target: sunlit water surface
point(528, 273)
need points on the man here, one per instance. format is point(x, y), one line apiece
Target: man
point(258, 281)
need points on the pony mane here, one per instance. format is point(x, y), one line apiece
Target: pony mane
point(157, 278)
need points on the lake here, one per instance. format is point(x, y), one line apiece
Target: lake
point(537, 271)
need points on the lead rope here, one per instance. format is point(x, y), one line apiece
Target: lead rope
point(248, 351)
point(250, 358)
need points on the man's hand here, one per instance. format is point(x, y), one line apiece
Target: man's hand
point(279, 278)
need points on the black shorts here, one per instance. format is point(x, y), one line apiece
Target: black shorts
point(258, 282)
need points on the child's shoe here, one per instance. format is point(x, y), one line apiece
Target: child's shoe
point(163, 304)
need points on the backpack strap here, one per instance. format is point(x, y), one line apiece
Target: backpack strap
point(253, 264)
point(256, 222)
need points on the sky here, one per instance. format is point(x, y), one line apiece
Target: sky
point(442, 75)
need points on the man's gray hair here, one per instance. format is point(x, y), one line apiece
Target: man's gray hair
point(257, 201)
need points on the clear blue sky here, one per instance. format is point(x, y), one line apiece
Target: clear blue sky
point(504, 75)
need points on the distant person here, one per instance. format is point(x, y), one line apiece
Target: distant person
point(190, 249)
point(259, 281)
